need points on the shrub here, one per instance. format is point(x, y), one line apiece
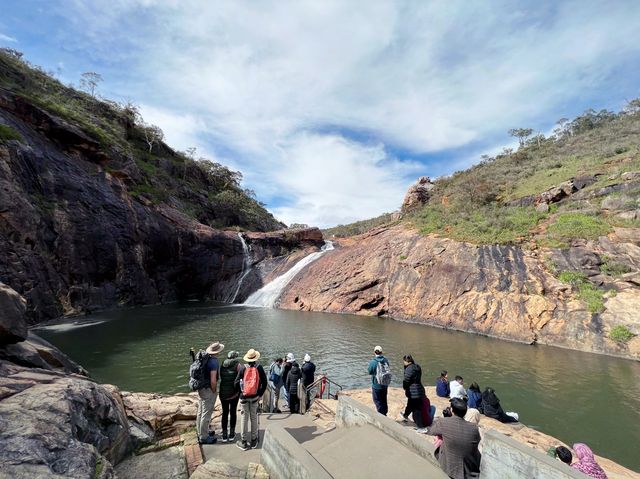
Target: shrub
point(578, 225)
point(613, 268)
point(620, 334)
point(7, 134)
point(587, 292)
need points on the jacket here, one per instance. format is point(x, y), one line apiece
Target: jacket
point(373, 367)
point(262, 386)
point(412, 382)
point(492, 408)
point(286, 367)
point(228, 372)
point(442, 388)
point(276, 369)
point(474, 399)
point(458, 455)
point(308, 373)
point(295, 374)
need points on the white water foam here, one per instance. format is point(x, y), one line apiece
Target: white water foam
point(267, 296)
point(59, 328)
point(246, 268)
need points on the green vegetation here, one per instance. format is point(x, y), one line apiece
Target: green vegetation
point(587, 292)
point(7, 134)
point(359, 227)
point(613, 268)
point(621, 334)
point(205, 190)
point(577, 225)
point(97, 471)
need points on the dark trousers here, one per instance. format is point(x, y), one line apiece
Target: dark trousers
point(229, 407)
point(415, 406)
point(380, 400)
point(294, 403)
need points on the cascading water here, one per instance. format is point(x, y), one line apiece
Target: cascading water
point(246, 268)
point(269, 294)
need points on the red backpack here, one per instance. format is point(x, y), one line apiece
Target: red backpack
point(250, 382)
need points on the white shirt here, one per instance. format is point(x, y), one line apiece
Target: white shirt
point(456, 390)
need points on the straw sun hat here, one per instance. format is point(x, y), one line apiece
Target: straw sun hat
point(215, 348)
point(251, 356)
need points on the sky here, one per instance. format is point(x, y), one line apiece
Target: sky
point(332, 109)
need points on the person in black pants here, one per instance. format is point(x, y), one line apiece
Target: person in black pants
point(229, 395)
point(291, 385)
point(415, 393)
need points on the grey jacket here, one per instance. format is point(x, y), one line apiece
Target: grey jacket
point(458, 455)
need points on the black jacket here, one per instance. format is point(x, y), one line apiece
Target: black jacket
point(286, 367)
point(262, 387)
point(291, 384)
point(412, 382)
point(492, 408)
point(228, 373)
point(308, 373)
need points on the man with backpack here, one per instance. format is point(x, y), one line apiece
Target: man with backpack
point(252, 381)
point(276, 383)
point(204, 379)
point(380, 373)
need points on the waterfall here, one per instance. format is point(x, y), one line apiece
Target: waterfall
point(269, 294)
point(246, 267)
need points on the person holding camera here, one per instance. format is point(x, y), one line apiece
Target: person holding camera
point(458, 453)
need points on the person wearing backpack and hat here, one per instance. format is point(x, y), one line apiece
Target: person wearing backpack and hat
point(380, 373)
point(252, 381)
point(208, 395)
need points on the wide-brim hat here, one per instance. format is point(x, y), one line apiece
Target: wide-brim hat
point(251, 356)
point(215, 348)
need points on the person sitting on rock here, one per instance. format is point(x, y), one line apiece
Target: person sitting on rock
point(308, 375)
point(378, 391)
point(252, 381)
point(492, 407)
point(457, 389)
point(416, 395)
point(442, 385)
point(458, 453)
point(291, 386)
point(587, 463)
point(564, 454)
point(474, 397)
point(229, 395)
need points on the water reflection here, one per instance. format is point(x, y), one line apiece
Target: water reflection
point(571, 395)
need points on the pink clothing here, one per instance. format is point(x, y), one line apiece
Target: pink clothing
point(586, 462)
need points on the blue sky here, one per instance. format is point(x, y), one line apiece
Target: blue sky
point(331, 109)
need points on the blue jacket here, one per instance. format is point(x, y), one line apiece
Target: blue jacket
point(373, 367)
point(474, 399)
point(442, 388)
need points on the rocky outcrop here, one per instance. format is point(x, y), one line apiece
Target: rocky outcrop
point(418, 194)
point(13, 327)
point(501, 291)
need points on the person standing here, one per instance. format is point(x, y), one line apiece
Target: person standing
point(208, 395)
point(380, 373)
point(308, 376)
point(276, 382)
point(252, 381)
point(458, 454)
point(229, 395)
point(415, 393)
point(290, 359)
point(442, 385)
point(291, 386)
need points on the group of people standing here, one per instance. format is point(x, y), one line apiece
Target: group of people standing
point(245, 384)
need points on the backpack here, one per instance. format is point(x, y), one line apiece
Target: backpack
point(250, 382)
point(383, 373)
point(198, 377)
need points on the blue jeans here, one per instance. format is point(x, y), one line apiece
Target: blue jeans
point(380, 400)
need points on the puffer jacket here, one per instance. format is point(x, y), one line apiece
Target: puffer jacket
point(228, 373)
point(294, 375)
point(412, 382)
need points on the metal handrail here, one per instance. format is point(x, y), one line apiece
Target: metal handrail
point(322, 379)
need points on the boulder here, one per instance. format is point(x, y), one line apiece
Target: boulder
point(13, 326)
point(58, 425)
point(616, 202)
point(630, 175)
point(35, 352)
point(163, 414)
point(542, 208)
point(165, 463)
point(418, 194)
point(629, 215)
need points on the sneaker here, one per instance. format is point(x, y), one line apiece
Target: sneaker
point(422, 430)
point(244, 445)
point(254, 443)
point(278, 411)
point(232, 436)
point(404, 418)
point(225, 438)
point(208, 440)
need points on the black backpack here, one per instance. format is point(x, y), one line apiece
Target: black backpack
point(198, 377)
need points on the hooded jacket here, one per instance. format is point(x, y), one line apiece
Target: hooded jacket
point(228, 373)
point(294, 375)
point(492, 408)
point(308, 372)
point(412, 382)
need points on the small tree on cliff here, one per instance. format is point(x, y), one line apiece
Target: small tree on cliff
point(521, 133)
point(152, 135)
point(90, 81)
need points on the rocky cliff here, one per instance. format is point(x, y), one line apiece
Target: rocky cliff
point(76, 234)
point(504, 291)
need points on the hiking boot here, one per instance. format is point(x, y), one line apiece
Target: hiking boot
point(208, 440)
point(244, 445)
point(254, 443)
point(232, 436)
point(225, 438)
point(422, 430)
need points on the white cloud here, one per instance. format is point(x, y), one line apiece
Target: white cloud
point(7, 38)
point(265, 79)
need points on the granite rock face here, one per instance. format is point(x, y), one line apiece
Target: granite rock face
point(13, 327)
point(501, 291)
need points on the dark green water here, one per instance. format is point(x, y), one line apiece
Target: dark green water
point(577, 397)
